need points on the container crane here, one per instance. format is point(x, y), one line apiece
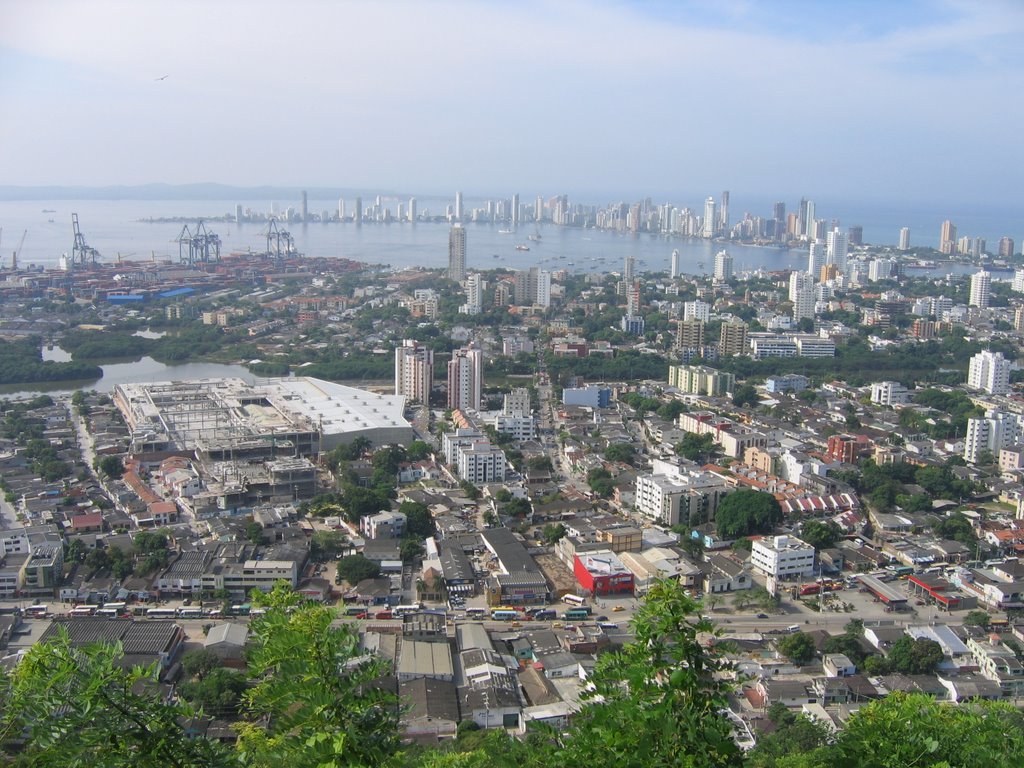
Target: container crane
point(17, 251)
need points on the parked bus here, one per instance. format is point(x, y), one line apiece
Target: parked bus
point(240, 610)
point(475, 612)
point(576, 614)
point(356, 610)
point(402, 610)
point(119, 607)
point(161, 613)
point(574, 600)
point(37, 611)
point(108, 613)
point(191, 613)
point(82, 610)
point(544, 614)
point(504, 615)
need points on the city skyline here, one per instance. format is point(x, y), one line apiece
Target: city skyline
point(399, 95)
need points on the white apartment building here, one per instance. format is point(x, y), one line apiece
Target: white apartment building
point(481, 463)
point(520, 427)
point(697, 310)
point(673, 495)
point(993, 432)
point(414, 371)
point(465, 379)
point(383, 525)
point(989, 371)
point(783, 557)
point(889, 393)
point(700, 380)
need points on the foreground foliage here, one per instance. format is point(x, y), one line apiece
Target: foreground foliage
point(312, 699)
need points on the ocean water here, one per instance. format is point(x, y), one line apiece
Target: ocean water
point(119, 228)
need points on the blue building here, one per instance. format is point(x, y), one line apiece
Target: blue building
point(590, 395)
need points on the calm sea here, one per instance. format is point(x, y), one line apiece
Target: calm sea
point(116, 227)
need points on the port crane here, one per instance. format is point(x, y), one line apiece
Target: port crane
point(201, 246)
point(280, 242)
point(81, 253)
point(17, 251)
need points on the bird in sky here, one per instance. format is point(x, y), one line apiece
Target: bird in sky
point(162, 78)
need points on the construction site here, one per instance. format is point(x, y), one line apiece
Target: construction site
point(254, 443)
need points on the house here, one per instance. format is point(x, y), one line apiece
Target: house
point(838, 665)
point(227, 640)
point(430, 711)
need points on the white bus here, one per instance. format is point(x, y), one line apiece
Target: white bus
point(402, 610)
point(574, 600)
point(37, 611)
point(161, 613)
point(119, 607)
point(82, 610)
point(108, 613)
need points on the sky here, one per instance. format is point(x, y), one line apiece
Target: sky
point(915, 100)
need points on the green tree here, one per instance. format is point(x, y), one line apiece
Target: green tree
point(410, 549)
point(912, 656)
point(916, 730)
point(218, 694)
point(355, 568)
point(539, 463)
point(623, 452)
point(200, 663)
point(552, 532)
point(696, 447)
point(326, 545)
point(254, 532)
point(418, 450)
point(820, 535)
point(797, 647)
point(978, 619)
point(658, 701)
point(747, 512)
point(793, 735)
point(745, 394)
point(318, 705)
point(80, 707)
point(111, 466)
point(418, 520)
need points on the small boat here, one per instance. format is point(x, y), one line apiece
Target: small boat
point(522, 247)
point(535, 238)
point(504, 231)
point(48, 210)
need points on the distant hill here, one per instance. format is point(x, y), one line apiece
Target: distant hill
point(205, 191)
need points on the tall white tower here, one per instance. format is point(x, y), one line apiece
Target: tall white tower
point(412, 209)
point(905, 239)
point(709, 219)
point(815, 259)
point(989, 371)
point(414, 371)
point(838, 247)
point(723, 266)
point(674, 264)
point(628, 269)
point(981, 289)
point(458, 206)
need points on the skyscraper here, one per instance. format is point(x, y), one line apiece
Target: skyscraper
point(809, 220)
point(341, 209)
point(723, 266)
point(802, 294)
point(1006, 247)
point(412, 209)
point(733, 340)
point(947, 237)
point(989, 371)
point(515, 209)
point(465, 379)
point(981, 289)
point(905, 239)
point(628, 269)
point(474, 294)
point(414, 371)
point(538, 209)
point(358, 213)
point(458, 206)
point(674, 264)
point(305, 207)
point(709, 219)
point(837, 247)
point(723, 215)
point(855, 235)
point(457, 253)
point(815, 258)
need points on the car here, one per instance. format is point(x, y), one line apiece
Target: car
point(618, 609)
point(762, 615)
point(601, 618)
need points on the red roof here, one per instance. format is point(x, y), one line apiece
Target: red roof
point(90, 520)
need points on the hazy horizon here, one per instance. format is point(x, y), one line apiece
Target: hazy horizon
point(673, 100)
